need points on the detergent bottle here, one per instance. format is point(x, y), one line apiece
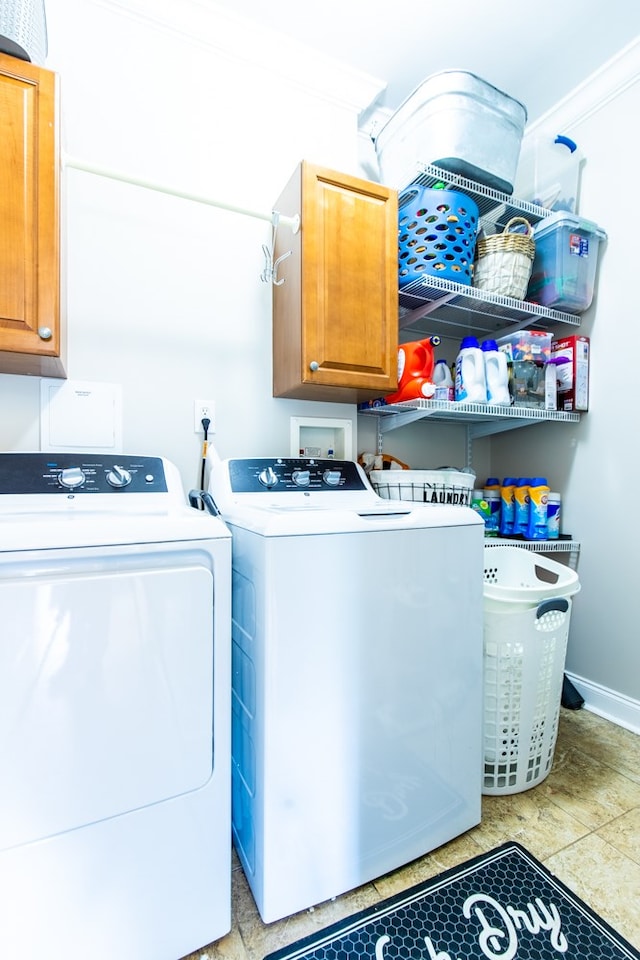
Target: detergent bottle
point(443, 381)
point(420, 388)
point(521, 506)
point(496, 373)
point(470, 382)
point(507, 506)
point(538, 497)
point(553, 515)
point(492, 496)
point(415, 370)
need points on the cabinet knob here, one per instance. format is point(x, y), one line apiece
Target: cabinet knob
point(314, 365)
point(45, 333)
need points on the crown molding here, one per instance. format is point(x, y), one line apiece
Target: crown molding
point(595, 92)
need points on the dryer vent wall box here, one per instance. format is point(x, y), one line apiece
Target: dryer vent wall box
point(321, 437)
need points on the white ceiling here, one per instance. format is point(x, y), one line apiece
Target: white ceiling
point(534, 50)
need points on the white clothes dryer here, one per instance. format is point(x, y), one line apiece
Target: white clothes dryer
point(115, 826)
point(357, 676)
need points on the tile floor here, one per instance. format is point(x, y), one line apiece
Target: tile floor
point(583, 822)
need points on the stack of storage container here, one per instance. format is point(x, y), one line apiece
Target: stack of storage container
point(461, 124)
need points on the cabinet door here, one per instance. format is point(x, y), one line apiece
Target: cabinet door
point(30, 334)
point(335, 320)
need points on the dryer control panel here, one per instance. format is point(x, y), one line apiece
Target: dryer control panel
point(288, 474)
point(38, 473)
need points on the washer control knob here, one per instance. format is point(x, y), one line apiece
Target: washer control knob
point(301, 478)
point(71, 478)
point(331, 477)
point(118, 476)
point(268, 477)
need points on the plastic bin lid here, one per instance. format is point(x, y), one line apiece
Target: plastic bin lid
point(562, 218)
point(454, 82)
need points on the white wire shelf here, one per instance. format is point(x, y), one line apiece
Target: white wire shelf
point(482, 419)
point(495, 208)
point(572, 547)
point(432, 305)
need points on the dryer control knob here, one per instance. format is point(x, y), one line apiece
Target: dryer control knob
point(118, 476)
point(301, 478)
point(71, 478)
point(268, 477)
point(331, 477)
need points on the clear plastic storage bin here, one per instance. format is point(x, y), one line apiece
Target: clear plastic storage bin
point(564, 268)
point(456, 121)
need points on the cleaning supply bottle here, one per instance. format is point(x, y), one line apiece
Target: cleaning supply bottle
point(470, 382)
point(554, 501)
point(481, 507)
point(416, 360)
point(415, 370)
point(496, 373)
point(443, 381)
point(420, 388)
point(521, 506)
point(492, 496)
point(507, 506)
point(537, 521)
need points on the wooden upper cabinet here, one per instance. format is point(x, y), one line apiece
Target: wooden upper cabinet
point(335, 316)
point(31, 339)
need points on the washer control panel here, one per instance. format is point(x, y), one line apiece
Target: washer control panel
point(38, 473)
point(288, 474)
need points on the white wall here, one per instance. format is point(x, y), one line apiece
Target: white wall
point(592, 463)
point(163, 294)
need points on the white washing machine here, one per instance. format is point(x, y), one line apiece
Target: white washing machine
point(357, 676)
point(115, 825)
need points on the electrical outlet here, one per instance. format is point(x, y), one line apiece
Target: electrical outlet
point(203, 409)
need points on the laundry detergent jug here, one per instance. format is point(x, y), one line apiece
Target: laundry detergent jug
point(470, 382)
point(416, 363)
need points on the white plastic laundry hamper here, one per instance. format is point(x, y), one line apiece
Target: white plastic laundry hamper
point(527, 609)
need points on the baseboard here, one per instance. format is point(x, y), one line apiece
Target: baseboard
point(608, 704)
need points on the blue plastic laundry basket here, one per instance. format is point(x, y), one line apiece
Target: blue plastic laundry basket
point(436, 234)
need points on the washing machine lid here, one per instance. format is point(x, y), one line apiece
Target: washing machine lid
point(296, 497)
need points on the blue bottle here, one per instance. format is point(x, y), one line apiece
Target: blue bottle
point(537, 528)
point(507, 506)
point(521, 507)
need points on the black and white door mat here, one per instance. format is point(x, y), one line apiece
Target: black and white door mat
point(501, 905)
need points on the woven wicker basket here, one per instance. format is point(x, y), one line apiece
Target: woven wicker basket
point(504, 261)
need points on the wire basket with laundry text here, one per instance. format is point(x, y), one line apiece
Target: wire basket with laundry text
point(446, 485)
